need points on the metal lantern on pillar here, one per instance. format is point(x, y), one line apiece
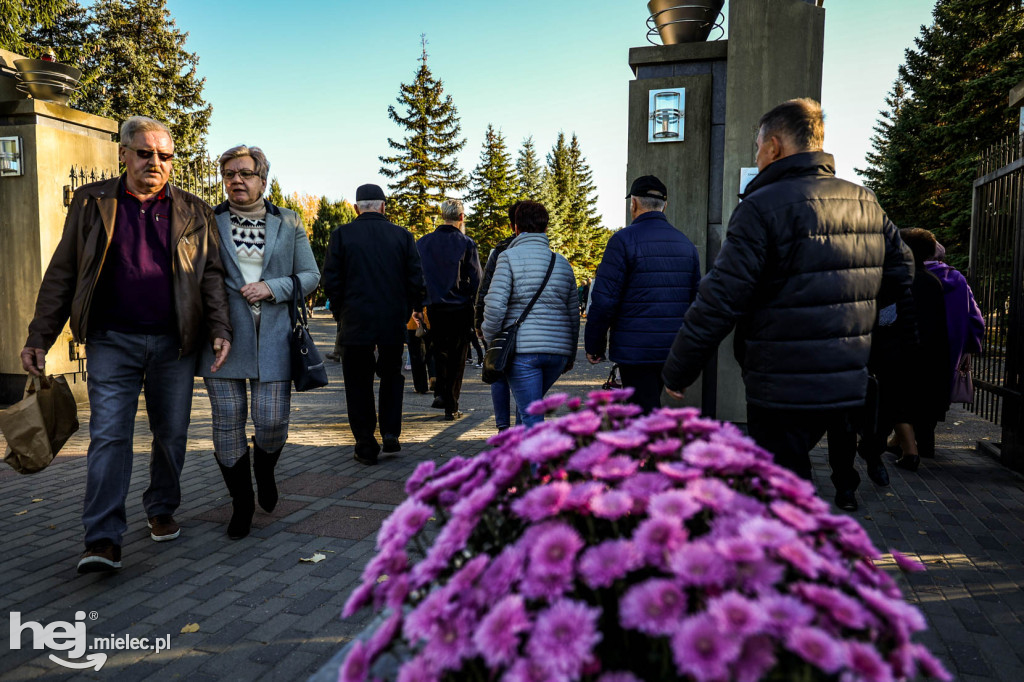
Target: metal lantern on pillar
point(667, 115)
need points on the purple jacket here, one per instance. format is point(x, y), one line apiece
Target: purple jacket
point(964, 321)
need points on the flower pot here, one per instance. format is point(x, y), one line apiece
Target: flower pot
point(684, 21)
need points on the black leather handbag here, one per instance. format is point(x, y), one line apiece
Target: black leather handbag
point(308, 370)
point(499, 354)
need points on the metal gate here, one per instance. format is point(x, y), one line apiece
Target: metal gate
point(997, 278)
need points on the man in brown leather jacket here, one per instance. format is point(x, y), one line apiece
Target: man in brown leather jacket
point(138, 273)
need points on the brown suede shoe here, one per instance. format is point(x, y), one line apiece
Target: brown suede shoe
point(163, 528)
point(99, 556)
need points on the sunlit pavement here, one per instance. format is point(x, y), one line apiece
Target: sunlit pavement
point(264, 614)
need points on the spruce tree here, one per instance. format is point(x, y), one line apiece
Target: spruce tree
point(570, 196)
point(19, 17)
point(423, 168)
point(492, 191)
point(67, 34)
point(276, 195)
point(529, 172)
point(948, 105)
point(143, 68)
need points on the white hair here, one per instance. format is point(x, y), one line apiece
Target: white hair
point(134, 125)
point(370, 206)
point(451, 209)
point(650, 203)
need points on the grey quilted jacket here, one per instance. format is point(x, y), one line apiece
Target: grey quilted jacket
point(553, 326)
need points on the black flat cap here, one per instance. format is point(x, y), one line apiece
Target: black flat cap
point(369, 193)
point(648, 186)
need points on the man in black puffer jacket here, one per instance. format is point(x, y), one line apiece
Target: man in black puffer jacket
point(806, 259)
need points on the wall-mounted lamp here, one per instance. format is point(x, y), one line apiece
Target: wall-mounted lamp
point(11, 163)
point(667, 115)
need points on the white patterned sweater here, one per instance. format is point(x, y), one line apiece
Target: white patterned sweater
point(249, 236)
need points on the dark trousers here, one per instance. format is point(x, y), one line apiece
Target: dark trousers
point(417, 361)
point(790, 435)
point(449, 342)
point(358, 365)
point(645, 379)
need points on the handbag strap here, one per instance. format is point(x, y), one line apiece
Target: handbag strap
point(297, 310)
point(529, 306)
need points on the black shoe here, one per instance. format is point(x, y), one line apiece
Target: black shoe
point(238, 479)
point(333, 357)
point(846, 500)
point(438, 403)
point(878, 474)
point(908, 462)
point(263, 464)
point(391, 444)
point(99, 556)
point(452, 416)
point(368, 461)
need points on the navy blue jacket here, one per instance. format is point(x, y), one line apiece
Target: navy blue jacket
point(451, 267)
point(646, 281)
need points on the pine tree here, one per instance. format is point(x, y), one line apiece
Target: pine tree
point(276, 195)
point(67, 34)
point(557, 187)
point(529, 172)
point(569, 194)
point(19, 17)
point(492, 191)
point(947, 106)
point(424, 168)
point(143, 68)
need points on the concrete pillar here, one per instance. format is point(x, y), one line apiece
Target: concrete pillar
point(55, 139)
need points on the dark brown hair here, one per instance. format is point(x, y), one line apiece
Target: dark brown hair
point(531, 216)
point(800, 120)
point(922, 243)
point(512, 212)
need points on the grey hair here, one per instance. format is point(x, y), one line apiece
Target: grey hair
point(133, 125)
point(255, 153)
point(650, 203)
point(370, 206)
point(451, 209)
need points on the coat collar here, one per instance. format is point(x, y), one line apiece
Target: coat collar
point(530, 238)
point(794, 165)
point(273, 230)
point(649, 215)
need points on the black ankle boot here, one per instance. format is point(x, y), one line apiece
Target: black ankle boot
point(263, 464)
point(243, 502)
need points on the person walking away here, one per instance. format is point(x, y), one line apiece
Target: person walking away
point(261, 247)
point(138, 272)
point(372, 275)
point(547, 341)
point(501, 396)
point(646, 281)
point(807, 258)
point(451, 268)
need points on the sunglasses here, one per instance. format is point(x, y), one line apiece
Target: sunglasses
point(148, 154)
point(245, 173)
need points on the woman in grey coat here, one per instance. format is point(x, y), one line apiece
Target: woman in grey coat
point(261, 246)
point(547, 341)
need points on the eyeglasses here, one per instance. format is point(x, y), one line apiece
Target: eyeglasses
point(148, 154)
point(245, 173)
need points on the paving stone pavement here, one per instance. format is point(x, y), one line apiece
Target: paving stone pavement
point(263, 614)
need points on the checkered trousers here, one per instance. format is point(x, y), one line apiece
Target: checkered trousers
point(271, 406)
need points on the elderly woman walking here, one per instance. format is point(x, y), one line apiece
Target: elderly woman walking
point(262, 246)
point(547, 340)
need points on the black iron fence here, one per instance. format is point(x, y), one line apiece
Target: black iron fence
point(997, 278)
point(82, 176)
point(199, 176)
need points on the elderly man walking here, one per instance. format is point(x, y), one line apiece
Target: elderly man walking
point(807, 257)
point(647, 279)
point(451, 267)
point(373, 277)
point(138, 271)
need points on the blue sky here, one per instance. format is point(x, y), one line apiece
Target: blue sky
point(310, 81)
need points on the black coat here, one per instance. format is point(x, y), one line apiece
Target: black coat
point(373, 276)
point(806, 258)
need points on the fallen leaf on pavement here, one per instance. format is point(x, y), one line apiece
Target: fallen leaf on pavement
point(191, 627)
point(315, 559)
point(38, 499)
point(23, 511)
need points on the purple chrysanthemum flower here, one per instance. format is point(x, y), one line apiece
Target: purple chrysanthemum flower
point(843, 609)
point(574, 403)
point(503, 572)
point(622, 410)
point(417, 669)
point(543, 501)
point(642, 485)
point(611, 504)
point(584, 459)
point(740, 549)
point(656, 423)
point(463, 579)
point(473, 504)
point(582, 423)
point(700, 426)
point(712, 493)
point(664, 447)
point(626, 439)
point(564, 636)
point(931, 666)
point(659, 537)
point(906, 563)
point(615, 468)
point(678, 471)
point(698, 564)
point(766, 532)
point(497, 635)
point(547, 404)
point(702, 650)
point(683, 414)
point(396, 589)
point(605, 563)
point(674, 504)
point(606, 397)
point(421, 474)
point(817, 647)
point(383, 635)
point(450, 644)
point(855, 539)
point(407, 520)
point(357, 665)
point(582, 493)
point(903, 618)
point(554, 550)
point(653, 607)
point(423, 622)
point(359, 598)
point(864, 661)
point(530, 670)
point(736, 614)
point(756, 659)
point(789, 485)
point(703, 454)
point(545, 444)
point(759, 576)
point(784, 612)
point(800, 557)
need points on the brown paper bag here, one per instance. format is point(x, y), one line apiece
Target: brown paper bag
point(38, 426)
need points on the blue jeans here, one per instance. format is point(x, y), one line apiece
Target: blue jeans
point(120, 367)
point(502, 401)
point(530, 377)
